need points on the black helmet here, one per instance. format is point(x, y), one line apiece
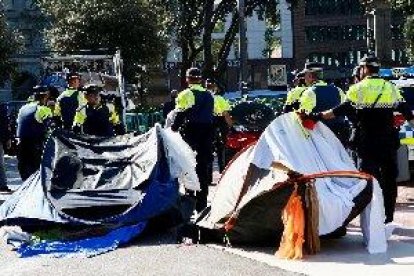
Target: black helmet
point(193, 72)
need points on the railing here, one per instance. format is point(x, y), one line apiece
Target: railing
point(142, 122)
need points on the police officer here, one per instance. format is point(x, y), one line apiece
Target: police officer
point(373, 102)
point(294, 95)
point(320, 96)
point(33, 122)
point(5, 143)
point(195, 106)
point(95, 117)
point(222, 122)
point(69, 101)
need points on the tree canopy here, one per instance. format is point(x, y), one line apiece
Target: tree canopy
point(129, 25)
point(406, 9)
point(10, 43)
point(192, 23)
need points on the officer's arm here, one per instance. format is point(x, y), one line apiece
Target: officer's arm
point(342, 95)
point(290, 101)
point(222, 106)
point(79, 120)
point(345, 109)
point(185, 100)
point(44, 115)
point(114, 119)
point(402, 105)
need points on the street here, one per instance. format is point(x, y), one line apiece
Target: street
point(158, 254)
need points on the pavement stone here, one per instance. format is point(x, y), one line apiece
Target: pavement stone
point(159, 255)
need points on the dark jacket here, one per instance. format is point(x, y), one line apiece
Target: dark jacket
point(97, 121)
point(4, 124)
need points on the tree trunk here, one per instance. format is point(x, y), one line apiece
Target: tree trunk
point(227, 44)
point(207, 34)
point(185, 63)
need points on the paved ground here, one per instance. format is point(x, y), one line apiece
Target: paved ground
point(158, 255)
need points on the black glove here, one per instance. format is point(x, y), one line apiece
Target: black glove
point(178, 121)
point(77, 129)
point(316, 116)
point(119, 129)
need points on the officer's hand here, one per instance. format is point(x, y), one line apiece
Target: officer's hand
point(315, 116)
point(77, 129)
point(175, 127)
point(120, 129)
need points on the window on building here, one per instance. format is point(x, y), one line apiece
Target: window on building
point(400, 56)
point(341, 59)
point(335, 33)
point(333, 7)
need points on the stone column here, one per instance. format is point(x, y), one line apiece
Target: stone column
point(382, 32)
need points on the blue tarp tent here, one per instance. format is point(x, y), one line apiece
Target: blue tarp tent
point(96, 181)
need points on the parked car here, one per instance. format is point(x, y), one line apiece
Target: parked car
point(251, 113)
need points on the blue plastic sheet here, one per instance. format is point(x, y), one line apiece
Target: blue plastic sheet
point(89, 247)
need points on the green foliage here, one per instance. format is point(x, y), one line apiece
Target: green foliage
point(188, 20)
point(130, 25)
point(409, 34)
point(271, 41)
point(405, 6)
point(10, 43)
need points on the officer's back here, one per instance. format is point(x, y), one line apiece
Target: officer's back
point(196, 105)
point(31, 120)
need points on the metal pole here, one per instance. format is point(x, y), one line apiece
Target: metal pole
point(242, 41)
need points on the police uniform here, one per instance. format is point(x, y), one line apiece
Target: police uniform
point(372, 103)
point(195, 117)
point(221, 105)
point(32, 126)
point(67, 104)
point(100, 120)
point(294, 95)
point(322, 96)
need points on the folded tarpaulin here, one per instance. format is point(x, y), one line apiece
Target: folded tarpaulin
point(89, 247)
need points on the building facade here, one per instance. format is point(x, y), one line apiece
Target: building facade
point(335, 33)
point(260, 59)
point(24, 15)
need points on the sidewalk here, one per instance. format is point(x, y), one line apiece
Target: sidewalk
point(404, 215)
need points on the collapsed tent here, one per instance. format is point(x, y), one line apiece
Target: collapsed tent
point(255, 195)
point(88, 181)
